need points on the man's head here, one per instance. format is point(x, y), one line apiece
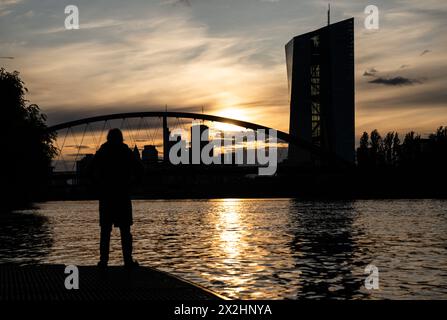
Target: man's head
point(115, 136)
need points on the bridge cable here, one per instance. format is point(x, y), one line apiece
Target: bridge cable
point(139, 129)
point(101, 134)
point(155, 135)
point(126, 129)
point(75, 141)
point(147, 130)
point(91, 131)
point(79, 147)
point(61, 157)
point(131, 134)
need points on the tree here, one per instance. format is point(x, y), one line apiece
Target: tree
point(376, 141)
point(376, 148)
point(27, 147)
point(364, 140)
point(411, 148)
point(363, 150)
point(428, 153)
point(438, 147)
point(388, 148)
point(396, 149)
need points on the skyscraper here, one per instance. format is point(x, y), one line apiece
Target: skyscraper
point(320, 72)
point(199, 139)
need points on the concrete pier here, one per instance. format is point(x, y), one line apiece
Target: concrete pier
point(47, 283)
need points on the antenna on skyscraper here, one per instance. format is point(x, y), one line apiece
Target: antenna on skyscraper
point(329, 13)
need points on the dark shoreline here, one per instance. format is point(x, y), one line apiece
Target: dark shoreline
point(289, 182)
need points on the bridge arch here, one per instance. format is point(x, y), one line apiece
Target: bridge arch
point(188, 115)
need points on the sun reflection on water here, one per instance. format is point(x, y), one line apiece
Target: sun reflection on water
point(254, 248)
point(231, 231)
point(228, 226)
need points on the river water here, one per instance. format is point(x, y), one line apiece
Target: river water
point(256, 248)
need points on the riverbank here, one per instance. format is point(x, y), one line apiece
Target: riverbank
point(289, 182)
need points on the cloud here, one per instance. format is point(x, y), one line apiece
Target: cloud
point(73, 146)
point(370, 72)
point(425, 52)
point(395, 81)
point(186, 3)
point(219, 54)
point(166, 60)
point(84, 25)
point(4, 3)
point(5, 6)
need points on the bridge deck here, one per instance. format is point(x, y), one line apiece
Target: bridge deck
point(46, 283)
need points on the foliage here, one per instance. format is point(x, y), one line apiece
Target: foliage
point(27, 147)
point(414, 151)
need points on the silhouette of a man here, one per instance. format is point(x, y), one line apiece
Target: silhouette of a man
point(114, 167)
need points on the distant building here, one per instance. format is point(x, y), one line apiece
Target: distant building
point(204, 140)
point(82, 168)
point(149, 154)
point(320, 71)
point(136, 152)
point(230, 155)
point(173, 143)
point(241, 154)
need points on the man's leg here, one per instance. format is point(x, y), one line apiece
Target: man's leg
point(104, 246)
point(126, 244)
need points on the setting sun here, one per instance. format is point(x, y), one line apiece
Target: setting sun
point(232, 113)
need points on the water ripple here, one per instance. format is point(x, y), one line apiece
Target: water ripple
point(256, 249)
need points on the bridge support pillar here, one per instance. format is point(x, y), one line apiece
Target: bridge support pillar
point(165, 139)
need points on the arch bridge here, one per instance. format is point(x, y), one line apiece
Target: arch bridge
point(164, 116)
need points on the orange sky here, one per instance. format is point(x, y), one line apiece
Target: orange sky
point(227, 57)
